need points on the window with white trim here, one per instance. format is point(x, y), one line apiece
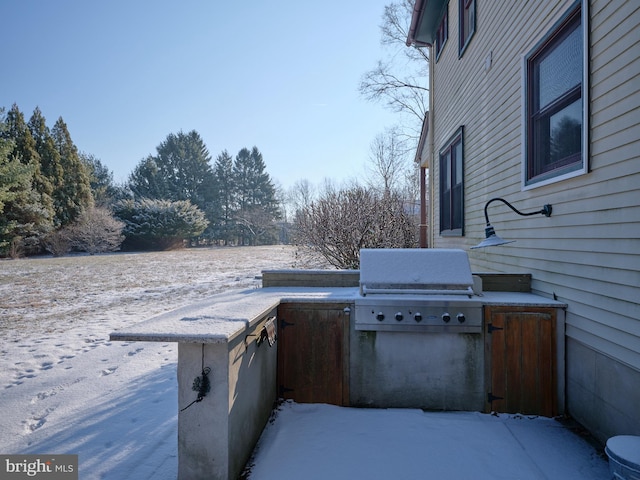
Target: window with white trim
point(442, 34)
point(554, 109)
point(467, 23)
point(452, 186)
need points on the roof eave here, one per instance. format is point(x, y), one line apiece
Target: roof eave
point(424, 18)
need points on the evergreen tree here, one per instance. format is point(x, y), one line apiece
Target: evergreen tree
point(23, 220)
point(36, 204)
point(73, 195)
point(50, 165)
point(223, 204)
point(103, 189)
point(180, 170)
point(146, 180)
point(159, 224)
point(257, 206)
point(46, 148)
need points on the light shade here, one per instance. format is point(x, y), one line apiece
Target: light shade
point(492, 239)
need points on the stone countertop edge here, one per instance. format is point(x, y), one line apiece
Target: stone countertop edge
point(519, 299)
point(224, 316)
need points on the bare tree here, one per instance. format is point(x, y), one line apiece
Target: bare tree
point(400, 81)
point(96, 231)
point(301, 194)
point(341, 222)
point(389, 160)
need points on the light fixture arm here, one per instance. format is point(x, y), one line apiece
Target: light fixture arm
point(491, 238)
point(546, 209)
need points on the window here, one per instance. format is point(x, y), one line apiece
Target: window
point(467, 14)
point(451, 186)
point(554, 110)
point(442, 34)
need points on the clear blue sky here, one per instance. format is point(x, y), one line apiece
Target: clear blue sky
point(282, 75)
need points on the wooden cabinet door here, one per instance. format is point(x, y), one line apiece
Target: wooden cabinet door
point(521, 352)
point(313, 353)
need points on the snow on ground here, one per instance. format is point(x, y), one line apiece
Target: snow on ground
point(318, 442)
point(66, 389)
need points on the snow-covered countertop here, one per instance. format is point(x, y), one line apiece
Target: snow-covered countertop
point(224, 316)
point(519, 299)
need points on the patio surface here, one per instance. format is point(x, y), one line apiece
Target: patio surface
point(317, 441)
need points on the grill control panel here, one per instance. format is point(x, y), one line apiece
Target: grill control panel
point(418, 316)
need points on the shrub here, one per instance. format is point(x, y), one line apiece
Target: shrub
point(57, 243)
point(96, 231)
point(340, 223)
point(159, 224)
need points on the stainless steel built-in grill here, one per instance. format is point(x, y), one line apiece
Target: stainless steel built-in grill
point(417, 290)
point(418, 331)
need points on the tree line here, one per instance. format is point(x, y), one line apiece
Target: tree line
point(55, 198)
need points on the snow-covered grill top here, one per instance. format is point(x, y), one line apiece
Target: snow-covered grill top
point(415, 271)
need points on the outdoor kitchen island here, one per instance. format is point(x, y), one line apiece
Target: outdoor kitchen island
point(232, 346)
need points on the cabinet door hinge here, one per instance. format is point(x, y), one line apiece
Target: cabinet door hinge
point(491, 328)
point(491, 397)
point(284, 390)
point(284, 323)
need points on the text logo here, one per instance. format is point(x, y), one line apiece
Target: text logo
point(49, 467)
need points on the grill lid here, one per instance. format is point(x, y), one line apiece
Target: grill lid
point(415, 271)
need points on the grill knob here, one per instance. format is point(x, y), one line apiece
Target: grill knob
point(417, 317)
point(446, 317)
point(399, 316)
point(380, 316)
point(461, 318)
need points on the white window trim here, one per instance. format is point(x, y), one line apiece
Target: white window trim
point(584, 12)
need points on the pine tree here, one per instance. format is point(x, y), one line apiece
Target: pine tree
point(221, 215)
point(105, 192)
point(180, 170)
point(73, 195)
point(32, 211)
point(146, 180)
point(23, 221)
point(50, 165)
point(257, 206)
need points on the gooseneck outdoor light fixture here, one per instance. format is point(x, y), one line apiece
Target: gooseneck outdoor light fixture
point(492, 239)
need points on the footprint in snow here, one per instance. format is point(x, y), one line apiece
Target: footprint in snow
point(138, 350)
point(108, 371)
point(43, 395)
point(63, 358)
point(46, 366)
point(35, 423)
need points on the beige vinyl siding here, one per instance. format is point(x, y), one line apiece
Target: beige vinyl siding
point(587, 253)
point(487, 103)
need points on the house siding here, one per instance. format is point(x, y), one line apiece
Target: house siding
point(587, 254)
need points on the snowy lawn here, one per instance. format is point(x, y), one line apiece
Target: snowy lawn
point(65, 388)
